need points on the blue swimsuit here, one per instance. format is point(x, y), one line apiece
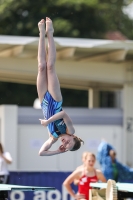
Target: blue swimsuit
point(50, 107)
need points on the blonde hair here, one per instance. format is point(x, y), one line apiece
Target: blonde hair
point(84, 155)
point(91, 154)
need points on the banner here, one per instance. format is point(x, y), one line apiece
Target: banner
point(42, 179)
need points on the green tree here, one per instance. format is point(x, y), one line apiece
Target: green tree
point(80, 18)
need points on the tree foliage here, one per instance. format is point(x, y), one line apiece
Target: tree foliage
point(80, 18)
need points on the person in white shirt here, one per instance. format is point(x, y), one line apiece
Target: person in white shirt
point(5, 159)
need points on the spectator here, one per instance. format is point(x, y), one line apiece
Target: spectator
point(85, 175)
point(111, 167)
point(84, 155)
point(5, 159)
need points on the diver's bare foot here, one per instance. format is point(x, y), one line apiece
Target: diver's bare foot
point(49, 26)
point(41, 26)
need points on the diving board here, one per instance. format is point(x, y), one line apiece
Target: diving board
point(98, 185)
point(120, 186)
point(6, 187)
point(115, 190)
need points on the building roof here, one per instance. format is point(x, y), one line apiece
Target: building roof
point(74, 55)
point(73, 48)
point(65, 42)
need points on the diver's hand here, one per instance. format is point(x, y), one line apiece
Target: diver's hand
point(44, 122)
point(62, 149)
